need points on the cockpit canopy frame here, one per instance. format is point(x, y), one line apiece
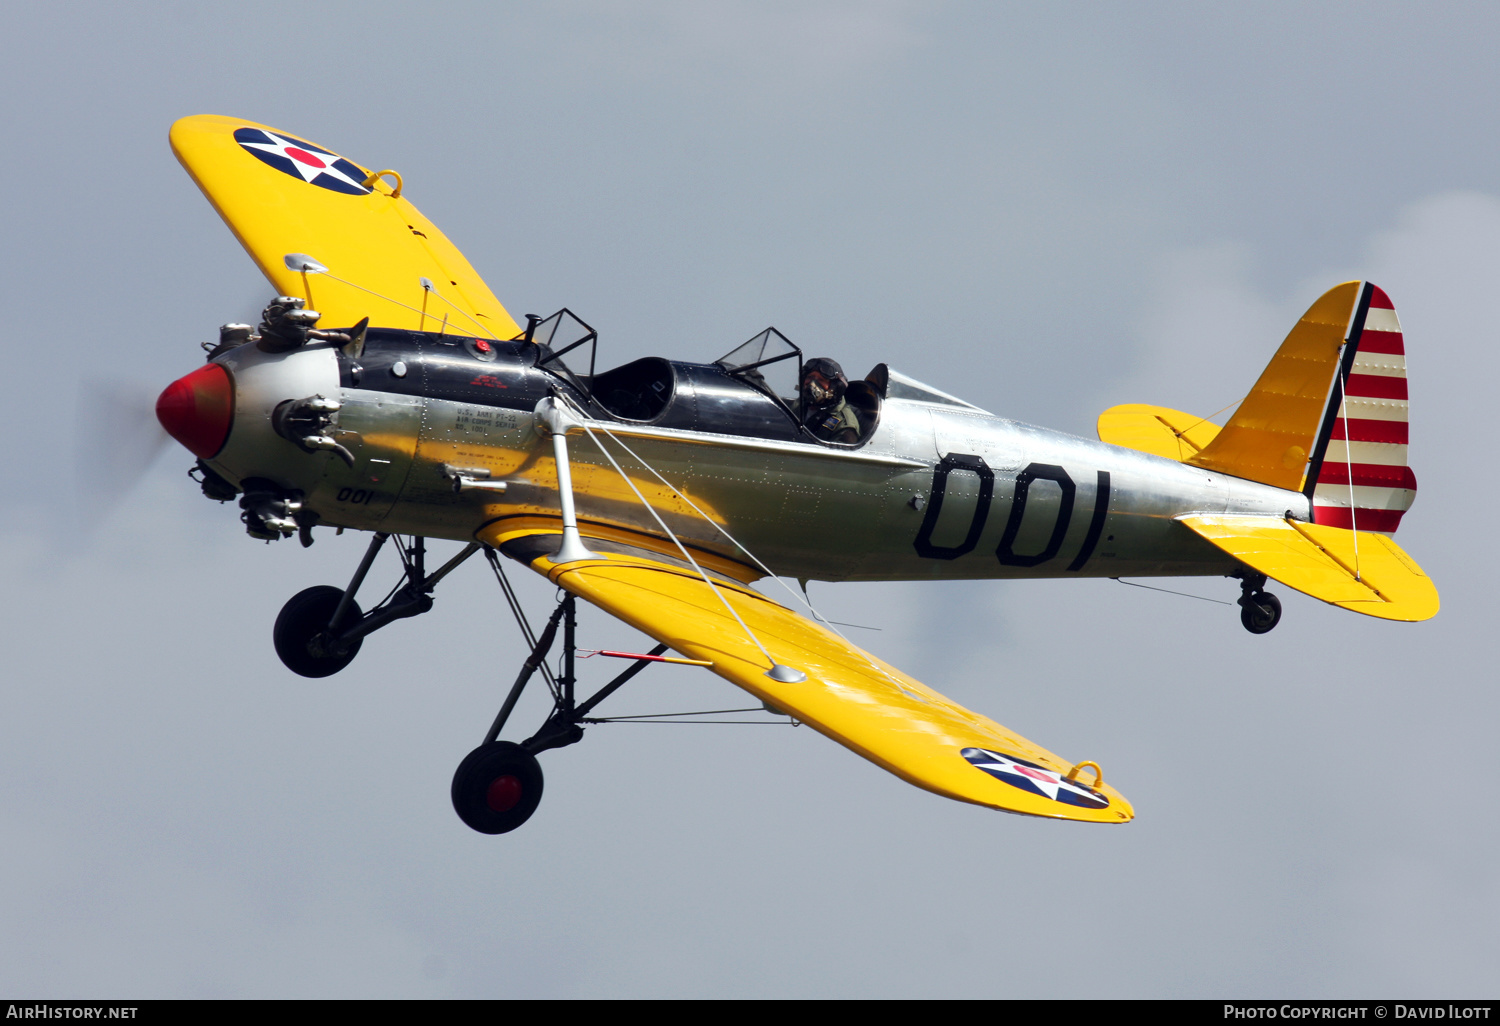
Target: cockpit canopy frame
point(769, 347)
point(564, 325)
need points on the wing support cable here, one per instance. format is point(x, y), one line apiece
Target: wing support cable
point(670, 719)
point(732, 540)
point(520, 615)
point(777, 672)
point(564, 726)
point(427, 288)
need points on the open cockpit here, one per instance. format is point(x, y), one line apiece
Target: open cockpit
point(754, 390)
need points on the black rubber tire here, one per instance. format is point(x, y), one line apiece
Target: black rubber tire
point(304, 617)
point(1260, 612)
point(497, 787)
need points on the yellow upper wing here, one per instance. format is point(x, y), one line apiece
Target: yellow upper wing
point(849, 695)
point(282, 195)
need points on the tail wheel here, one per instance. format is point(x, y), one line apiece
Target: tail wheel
point(497, 787)
point(304, 617)
point(1260, 612)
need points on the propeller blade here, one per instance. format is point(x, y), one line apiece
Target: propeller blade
point(119, 440)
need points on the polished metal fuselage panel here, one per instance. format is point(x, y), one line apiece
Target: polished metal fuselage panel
point(938, 491)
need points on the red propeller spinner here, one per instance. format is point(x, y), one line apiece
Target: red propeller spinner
point(197, 409)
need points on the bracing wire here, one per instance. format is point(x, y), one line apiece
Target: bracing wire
point(1204, 420)
point(416, 310)
point(463, 313)
point(678, 723)
point(520, 614)
point(1349, 464)
point(677, 718)
point(1168, 591)
point(806, 601)
point(680, 547)
point(724, 531)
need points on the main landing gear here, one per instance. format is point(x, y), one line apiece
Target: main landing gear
point(320, 630)
point(1259, 609)
point(498, 785)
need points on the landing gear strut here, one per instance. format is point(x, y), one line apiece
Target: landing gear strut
point(320, 630)
point(498, 785)
point(1259, 609)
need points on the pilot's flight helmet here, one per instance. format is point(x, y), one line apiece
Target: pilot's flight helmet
point(812, 392)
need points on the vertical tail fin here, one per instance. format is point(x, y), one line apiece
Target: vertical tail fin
point(1344, 444)
point(1358, 476)
point(1274, 431)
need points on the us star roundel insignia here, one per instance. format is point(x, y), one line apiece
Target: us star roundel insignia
point(1028, 776)
point(302, 160)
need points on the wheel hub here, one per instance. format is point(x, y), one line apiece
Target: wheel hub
point(504, 793)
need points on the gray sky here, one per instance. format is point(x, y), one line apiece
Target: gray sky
point(1047, 210)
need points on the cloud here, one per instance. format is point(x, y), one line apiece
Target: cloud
point(1206, 331)
point(776, 51)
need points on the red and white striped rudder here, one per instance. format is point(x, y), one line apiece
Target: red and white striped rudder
point(1362, 480)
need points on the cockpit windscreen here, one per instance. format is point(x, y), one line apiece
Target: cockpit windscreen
point(769, 361)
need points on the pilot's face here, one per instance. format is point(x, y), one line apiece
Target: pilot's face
point(817, 388)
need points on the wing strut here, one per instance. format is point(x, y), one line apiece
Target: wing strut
point(555, 418)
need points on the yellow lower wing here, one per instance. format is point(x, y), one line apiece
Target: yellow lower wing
point(281, 195)
point(862, 703)
point(1368, 574)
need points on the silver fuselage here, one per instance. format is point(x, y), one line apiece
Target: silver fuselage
point(932, 494)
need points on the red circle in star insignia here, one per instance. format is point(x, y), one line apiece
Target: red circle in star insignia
point(304, 157)
point(302, 160)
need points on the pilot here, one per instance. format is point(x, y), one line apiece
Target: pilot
point(821, 405)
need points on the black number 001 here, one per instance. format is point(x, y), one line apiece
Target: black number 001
point(1005, 552)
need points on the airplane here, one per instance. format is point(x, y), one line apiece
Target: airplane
point(387, 390)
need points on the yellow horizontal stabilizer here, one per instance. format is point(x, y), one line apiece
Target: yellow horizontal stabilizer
point(282, 195)
point(1370, 575)
point(862, 703)
point(1156, 429)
